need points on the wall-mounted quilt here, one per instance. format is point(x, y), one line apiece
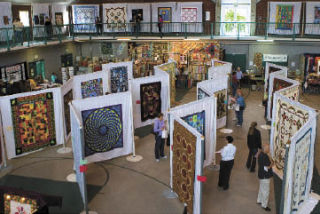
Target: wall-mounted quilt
point(84, 17)
point(14, 73)
point(92, 88)
point(150, 96)
point(119, 79)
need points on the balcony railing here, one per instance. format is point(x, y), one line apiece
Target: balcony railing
point(11, 37)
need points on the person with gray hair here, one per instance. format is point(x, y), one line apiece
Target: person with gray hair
point(264, 174)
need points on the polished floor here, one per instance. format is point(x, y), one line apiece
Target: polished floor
point(138, 187)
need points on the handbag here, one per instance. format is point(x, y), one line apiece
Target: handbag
point(236, 107)
point(164, 134)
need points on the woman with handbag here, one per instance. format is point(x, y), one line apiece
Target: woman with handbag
point(159, 129)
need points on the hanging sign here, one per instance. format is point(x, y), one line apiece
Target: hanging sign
point(275, 58)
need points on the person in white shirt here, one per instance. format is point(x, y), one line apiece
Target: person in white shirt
point(226, 164)
point(239, 75)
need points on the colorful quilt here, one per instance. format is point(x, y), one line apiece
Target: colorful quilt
point(137, 13)
point(103, 129)
point(170, 68)
point(300, 170)
point(284, 17)
point(14, 204)
point(14, 73)
point(150, 96)
point(116, 17)
point(189, 14)
point(119, 79)
point(59, 18)
point(221, 103)
point(92, 88)
point(202, 94)
point(33, 122)
point(289, 119)
point(184, 154)
point(165, 12)
point(292, 93)
point(84, 17)
point(278, 84)
point(197, 121)
point(68, 97)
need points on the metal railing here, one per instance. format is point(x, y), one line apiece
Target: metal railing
point(11, 37)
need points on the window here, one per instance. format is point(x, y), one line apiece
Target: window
point(235, 11)
point(24, 17)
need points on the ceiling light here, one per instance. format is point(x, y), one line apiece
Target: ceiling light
point(124, 39)
point(265, 40)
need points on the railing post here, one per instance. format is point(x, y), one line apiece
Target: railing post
point(28, 35)
point(211, 30)
point(59, 33)
point(8, 43)
point(185, 30)
point(238, 31)
point(294, 32)
point(45, 30)
point(266, 30)
point(72, 30)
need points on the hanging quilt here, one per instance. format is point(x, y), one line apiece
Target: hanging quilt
point(59, 18)
point(14, 73)
point(189, 14)
point(292, 93)
point(170, 68)
point(68, 97)
point(289, 119)
point(316, 15)
point(165, 12)
point(6, 20)
point(103, 129)
point(184, 153)
point(14, 204)
point(92, 88)
point(116, 17)
point(84, 18)
point(150, 96)
point(267, 77)
point(278, 84)
point(284, 17)
point(221, 103)
point(119, 79)
point(197, 121)
point(300, 171)
point(36, 69)
point(137, 13)
point(202, 94)
point(33, 122)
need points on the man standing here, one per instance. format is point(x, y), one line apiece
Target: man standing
point(226, 164)
point(239, 75)
point(159, 126)
point(18, 31)
point(264, 174)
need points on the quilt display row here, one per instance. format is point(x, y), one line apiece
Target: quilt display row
point(270, 68)
point(184, 157)
point(84, 18)
point(288, 120)
point(284, 15)
point(34, 122)
point(150, 96)
point(119, 79)
point(170, 68)
point(14, 73)
point(103, 129)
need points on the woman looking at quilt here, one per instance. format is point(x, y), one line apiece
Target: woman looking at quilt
point(158, 128)
point(254, 145)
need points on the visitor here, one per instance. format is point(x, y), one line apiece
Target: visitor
point(226, 164)
point(234, 83)
point(98, 25)
point(254, 145)
point(138, 22)
point(240, 105)
point(18, 31)
point(159, 126)
point(48, 27)
point(160, 24)
point(264, 174)
point(239, 75)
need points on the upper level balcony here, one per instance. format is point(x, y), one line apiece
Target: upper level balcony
point(18, 38)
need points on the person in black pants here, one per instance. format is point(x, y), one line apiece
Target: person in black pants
point(226, 164)
point(254, 144)
point(159, 126)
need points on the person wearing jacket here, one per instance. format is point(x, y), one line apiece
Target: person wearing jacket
point(239, 101)
point(254, 145)
point(159, 126)
point(264, 174)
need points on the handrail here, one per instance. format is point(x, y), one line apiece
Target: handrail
point(11, 37)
